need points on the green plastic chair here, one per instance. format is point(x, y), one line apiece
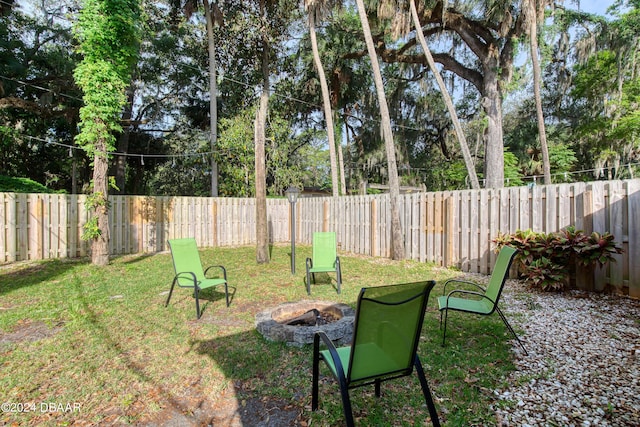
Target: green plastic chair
point(483, 301)
point(324, 258)
point(387, 328)
point(189, 273)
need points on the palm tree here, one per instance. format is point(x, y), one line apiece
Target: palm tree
point(273, 17)
point(212, 16)
point(533, 17)
point(262, 232)
point(397, 238)
point(466, 154)
point(317, 10)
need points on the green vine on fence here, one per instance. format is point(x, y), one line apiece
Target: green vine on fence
point(96, 200)
point(91, 228)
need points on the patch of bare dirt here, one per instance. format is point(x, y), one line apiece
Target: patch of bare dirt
point(237, 406)
point(28, 331)
point(228, 410)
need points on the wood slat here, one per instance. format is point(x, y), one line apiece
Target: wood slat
point(633, 208)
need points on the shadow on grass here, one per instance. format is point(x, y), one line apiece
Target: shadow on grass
point(268, 388)
point(16, 276)
point(321, 279)
point(212, 295)
point(133, 259)
point(206, 296)
point(271, 382)
point(178, 409)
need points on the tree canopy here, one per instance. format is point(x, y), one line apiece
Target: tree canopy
point(161, 132)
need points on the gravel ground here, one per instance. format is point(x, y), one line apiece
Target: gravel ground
point(583, 362)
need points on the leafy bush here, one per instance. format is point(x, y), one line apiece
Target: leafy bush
point(21, 185)
point(547, 260)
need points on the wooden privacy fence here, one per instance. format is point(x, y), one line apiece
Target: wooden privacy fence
point(449, 228)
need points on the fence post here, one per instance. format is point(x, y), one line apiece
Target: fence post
point(35, 222)
point(325, 216)
point(374, 227)
point(137, 224)
point(584, 276)
point(423, 225)
point(633, 207)
point(22, 219)
point(616, 220)
point(214, 223)
point(449, 229)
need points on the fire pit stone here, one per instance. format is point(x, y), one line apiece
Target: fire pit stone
point(335, 319)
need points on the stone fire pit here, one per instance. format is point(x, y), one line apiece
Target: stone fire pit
point(271, 323)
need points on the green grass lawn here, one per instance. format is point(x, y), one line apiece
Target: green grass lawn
point(99, 344)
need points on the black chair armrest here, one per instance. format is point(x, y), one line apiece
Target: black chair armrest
point(465, 282)
point(186, 275)
point(465, 292)
point(224, 271)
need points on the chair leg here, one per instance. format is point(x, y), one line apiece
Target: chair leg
point(315, 372)
point(504, 319)
point(308, 265)
point(226, 285)
point(338, 274)
point(427, 392)
point(195, 294)
point(444, 330)
point(170, 292)
point(344, 389)
point(226, 292)
point(377, 387)
point(346, 402)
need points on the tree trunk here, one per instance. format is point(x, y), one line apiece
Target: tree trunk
point(100, 244)
point(262, 232)
point(397, 239)
point(326, 102)
point(537, 83)
point(466, 154)
point(493, 138)
point(343, 180)
point(347, 146)
point(213, 95)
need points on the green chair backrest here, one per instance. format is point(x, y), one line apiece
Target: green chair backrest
point(387, 330)
point(186, 259)
point(324, 249)
point(500, 273)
